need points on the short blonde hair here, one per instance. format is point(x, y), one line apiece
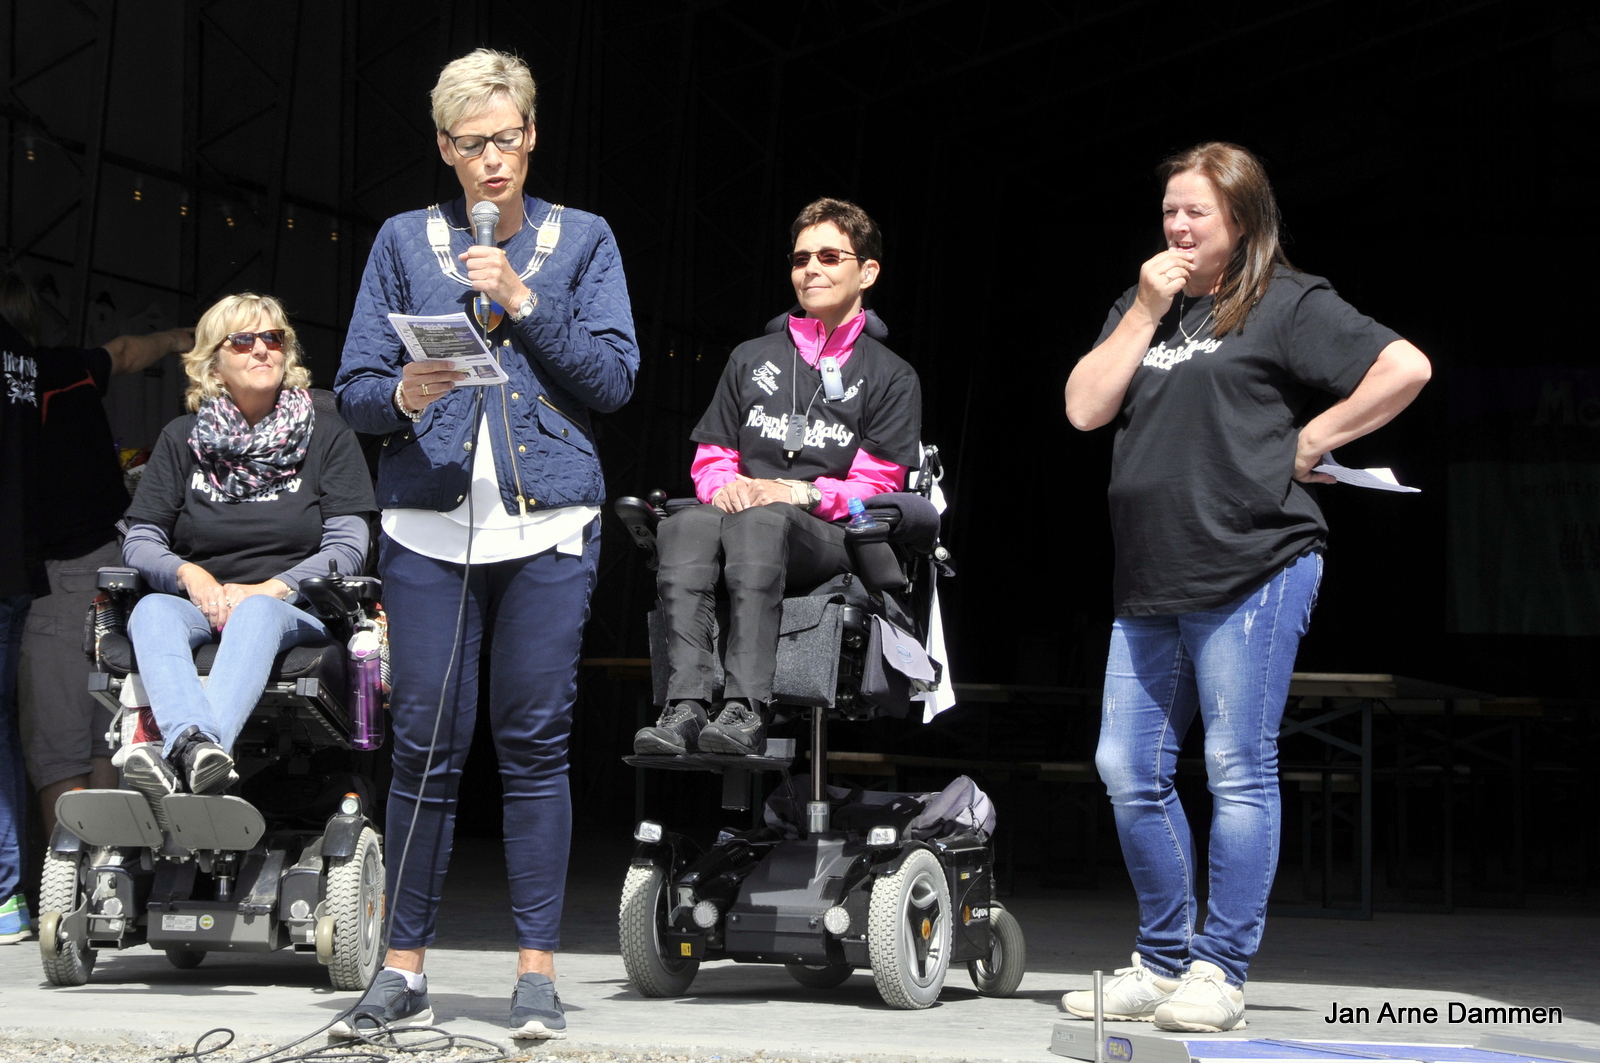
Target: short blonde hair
point(226, 316)
point(467, 85)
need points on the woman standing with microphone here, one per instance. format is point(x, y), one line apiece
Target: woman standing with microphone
point(491, 531)
point(1228, 375)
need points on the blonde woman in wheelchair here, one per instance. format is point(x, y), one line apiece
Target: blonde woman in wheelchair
point(259, 486)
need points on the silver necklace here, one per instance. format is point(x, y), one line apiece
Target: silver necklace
point(1187, 335)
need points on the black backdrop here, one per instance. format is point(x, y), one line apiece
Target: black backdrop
point(1434, 159)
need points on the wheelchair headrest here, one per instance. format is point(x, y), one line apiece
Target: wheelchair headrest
point(916, 521)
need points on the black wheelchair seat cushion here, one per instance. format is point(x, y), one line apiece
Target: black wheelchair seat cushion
point(322, 660)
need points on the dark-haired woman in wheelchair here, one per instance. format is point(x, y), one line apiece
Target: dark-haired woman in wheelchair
point(804, 419)
point(259, 487)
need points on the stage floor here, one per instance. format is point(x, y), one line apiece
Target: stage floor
point(1538, 958)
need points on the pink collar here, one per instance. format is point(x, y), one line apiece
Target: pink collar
point(812, 341)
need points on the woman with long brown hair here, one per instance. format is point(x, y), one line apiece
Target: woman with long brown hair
point(1228, 375)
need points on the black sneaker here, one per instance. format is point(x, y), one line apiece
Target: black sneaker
point(388, 1004)
point(738, 730)
point(675, 732)
point(206, 765)
point(536, 1009)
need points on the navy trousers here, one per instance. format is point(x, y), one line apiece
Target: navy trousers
point(534, 609)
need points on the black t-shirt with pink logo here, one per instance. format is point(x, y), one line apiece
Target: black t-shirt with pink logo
point(1204, 504)
point(766, 386)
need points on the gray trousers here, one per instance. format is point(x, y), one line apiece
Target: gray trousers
point(62, 726)
point(758, 553)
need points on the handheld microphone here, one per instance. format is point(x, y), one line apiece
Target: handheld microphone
point(485, 216)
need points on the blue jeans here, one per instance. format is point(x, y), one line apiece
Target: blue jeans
point(166, 630)
point(13, 778)
point(1232, 664)
point(532, 610)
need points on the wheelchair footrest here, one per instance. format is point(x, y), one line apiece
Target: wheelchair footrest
point(778, 757)
point(214, 822)
point(110, 817)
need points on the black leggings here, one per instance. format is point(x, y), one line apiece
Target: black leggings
point(757, 552)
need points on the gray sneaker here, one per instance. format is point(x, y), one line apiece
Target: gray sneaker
point(1131, 994)
point(674, 733)
point(388, 1004)
point(536, 1009)
point(1204, 1003)
point(740, 729)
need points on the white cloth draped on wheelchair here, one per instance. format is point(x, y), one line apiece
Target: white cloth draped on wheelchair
point(935, 701)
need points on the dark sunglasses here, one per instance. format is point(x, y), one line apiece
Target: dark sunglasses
point(245, 342)
point(828, 256)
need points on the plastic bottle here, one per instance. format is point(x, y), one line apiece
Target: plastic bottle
point(860, 519)
point(366, 690)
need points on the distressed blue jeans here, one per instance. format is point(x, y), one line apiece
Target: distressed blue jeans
point(166, 630)
point(1232, 665)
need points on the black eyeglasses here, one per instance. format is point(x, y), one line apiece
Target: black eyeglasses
point(828, 256)
point(245, 342)
point(471, 145)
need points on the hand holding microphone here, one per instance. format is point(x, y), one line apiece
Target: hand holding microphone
point(488, 269)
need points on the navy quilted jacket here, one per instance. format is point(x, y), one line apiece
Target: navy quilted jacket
point(575, 353)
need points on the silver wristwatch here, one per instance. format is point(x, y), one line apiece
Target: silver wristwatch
point(524, 308)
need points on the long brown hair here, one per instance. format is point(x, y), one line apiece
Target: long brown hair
point(1246, 194)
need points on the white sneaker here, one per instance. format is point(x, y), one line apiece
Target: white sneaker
point(1131, 994)
point(1204, 1003)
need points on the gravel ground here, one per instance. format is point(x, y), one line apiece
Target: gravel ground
point(16, 1047)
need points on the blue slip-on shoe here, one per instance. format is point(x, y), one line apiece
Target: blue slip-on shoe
point(15, 925)
point(536, 1009)
point(389, 1003)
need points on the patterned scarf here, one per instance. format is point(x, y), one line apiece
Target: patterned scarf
point(240, 461)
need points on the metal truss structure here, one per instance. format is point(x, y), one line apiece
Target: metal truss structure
point(162, 154)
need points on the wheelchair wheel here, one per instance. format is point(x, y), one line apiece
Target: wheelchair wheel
point(823, 977)
point(185, 959)
point(642, 917)
point(355, 900)
point(60, 892)
point(1001, 973)
point(908, 932)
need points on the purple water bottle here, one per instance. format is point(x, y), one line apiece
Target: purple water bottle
point(366, 689)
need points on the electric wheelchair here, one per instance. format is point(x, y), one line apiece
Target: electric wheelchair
point(834, 879)
point(294, 862)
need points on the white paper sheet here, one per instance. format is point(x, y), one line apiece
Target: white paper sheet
point(452, 338)
point(1379, 479)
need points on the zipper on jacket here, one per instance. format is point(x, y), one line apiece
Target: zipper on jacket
point(562, 412)
point(511, 451)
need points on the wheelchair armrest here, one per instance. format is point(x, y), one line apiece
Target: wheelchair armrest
point(119, 580)
point(640, 518)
